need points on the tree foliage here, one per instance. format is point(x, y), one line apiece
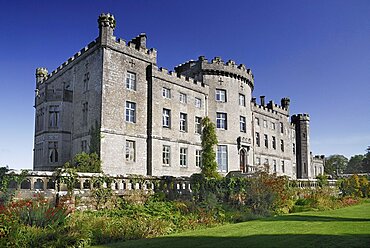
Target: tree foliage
point(366, 161)
point(84, 162)
point(355, 164)
point(335, 164)
point(209, 140)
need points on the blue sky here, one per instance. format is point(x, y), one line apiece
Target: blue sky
point(315, 52)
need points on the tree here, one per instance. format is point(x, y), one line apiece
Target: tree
point(335, 164)
point(209, 140)
point(355, 164)
point(87, 162)
point(366, 161)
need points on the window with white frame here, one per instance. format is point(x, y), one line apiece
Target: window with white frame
point(198, 158)
point(222, 158)
point(274, 142)
point(53, 151)
point(166, 155)
point(183, 98)
point(243, 125)
point(130, 112)
point(198, 102)
point(266, 140)
point(242, 100)
point(198, 125)
point(183, 157)
point(281, 127)
point(131, 81)
point(258, 141)
point(221, 120)
point(274, 163)
point(166, 118)
point(257, 121)
point(54, 116)
point(220, 95)
point(283, 166)
point(282, 145)
point(183, 122)
point(85, 111)
point(166, 93)
point(130, 150)
point(273, 125)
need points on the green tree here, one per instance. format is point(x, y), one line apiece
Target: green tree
point(335, 165)
point(366, 161)
point(84, 162)
point(209, 140)
point(355, 164)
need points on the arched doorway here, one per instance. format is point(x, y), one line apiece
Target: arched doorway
point(243, 161)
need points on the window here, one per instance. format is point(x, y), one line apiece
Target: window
point(283, 166)
point(258, 139)
point(273, 126)
point(222, 158)
point(183, 98)
point(84, 146)
point(221, 121)
point(274, 142)
point(282, 145)
point(166, 118)
point(131, 81)
point(257, 121)
point(274, 163)
point(53, 152)
point(281, 127)
point(293, 148)
point(198, 125)
point(130, 150)
point(85, 110)
point(166, 155)
point(241, 100)
point(54, 116)
point(40, 119)
point(266, 141)
point(39, 151)
point(86, 81)
point(243, 127)
point(198, 158)
point(183, 122)
point(183, 157)
point(131, 112)
point(266, 161)
point(264, 123)
point(166, 93)
point(258, 161)
point(198, 102)
point(220, 95)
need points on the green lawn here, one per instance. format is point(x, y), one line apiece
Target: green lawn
point(346, 227)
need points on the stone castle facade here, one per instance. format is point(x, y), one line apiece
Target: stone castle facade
point(112, 98)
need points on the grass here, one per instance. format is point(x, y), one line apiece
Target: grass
point(345, 227)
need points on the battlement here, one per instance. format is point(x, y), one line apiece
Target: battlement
point(179, 79)
point(106, 20)
point(217, 67)
point(136, 44)
point(271, 107)
point(300, 117)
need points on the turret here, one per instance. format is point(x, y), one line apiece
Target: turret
point(285, 102)
point(302, 128)
point(107, 24)
point(41, 74)
point(262, 98)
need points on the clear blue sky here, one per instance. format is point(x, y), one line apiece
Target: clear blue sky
point(315, 52)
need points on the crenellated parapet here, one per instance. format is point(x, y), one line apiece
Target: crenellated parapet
point(217, 67)
point(106, 20)
point(300, 117)
point(270, 108)
point(179, 79)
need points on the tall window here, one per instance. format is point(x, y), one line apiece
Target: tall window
point(283, 166)
point(258, 142)
point(274, 163)
point(183, 157)
point(84, 146)
point(166, 155)
point(53, 152)
point(166, 118)
point(198, 158)
point(131, 112)
point(39, 150)
point(241, 100)
point(183, 98)
point(222, 158)
point(243, 126)
point(274, 142)
point(183, 122)
point(85, 110)
point(264, 123)
point(293, 148)
point(273, 125)
point(40, 119)
point(166, 93)
point(266, 140)
point(220, 95)
point(198, 102)
point(86, 81)
point(221, 121)
point(131, 81)
point(257, 121)
point(198, 125)
point(281, 127)
point(282, 145)
point(54, 116)
point(130, 150)
point(258, 161)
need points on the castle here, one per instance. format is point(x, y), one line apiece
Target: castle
point(112, 98)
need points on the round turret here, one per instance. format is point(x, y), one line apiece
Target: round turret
point(41, 74)
point(300, 117)
point(107, 20)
